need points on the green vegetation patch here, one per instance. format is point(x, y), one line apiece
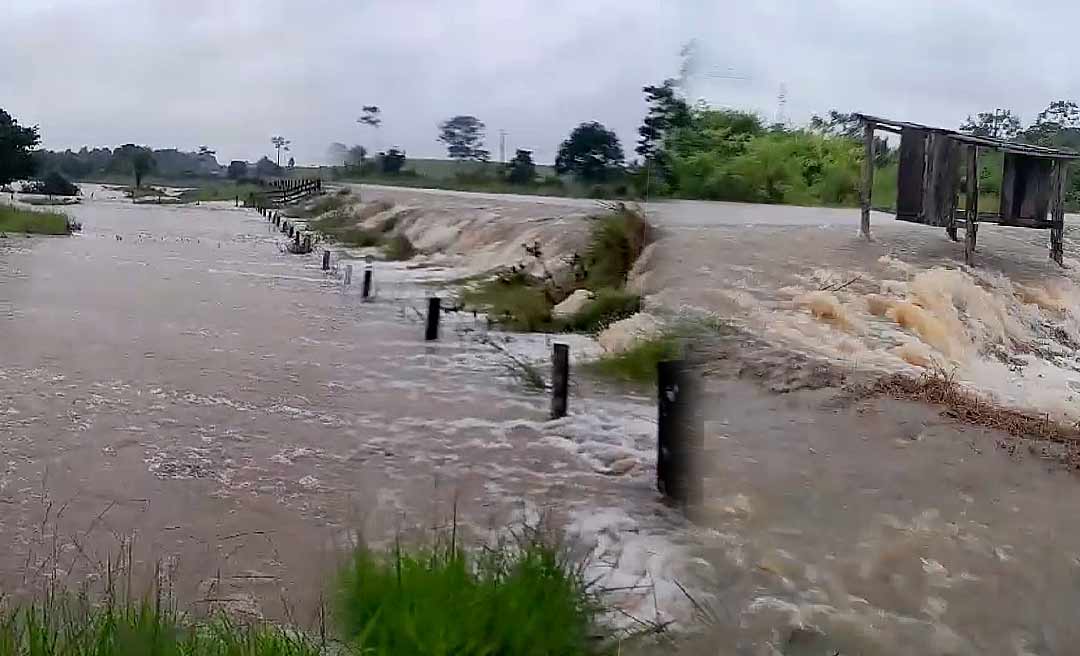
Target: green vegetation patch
point(398, 247)
point(39, 222)
point(609, 306)
point(638, 364)
point(520, 301)
point(223, 191)
point(521, 600)
point(516, 301)
point(62, 627)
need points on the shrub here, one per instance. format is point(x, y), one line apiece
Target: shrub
point(609, 306)
point(518, 302)
point(638, 364)
point(53, 184)
point(615, 242)
point(398, 247)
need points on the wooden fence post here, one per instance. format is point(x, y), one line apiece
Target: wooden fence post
point(326, 260)
point(434, 309)
point(680, 435)
point(560, 379)
point(971, 208)
point(867, 178)
point(296, 237)
point(365, 290)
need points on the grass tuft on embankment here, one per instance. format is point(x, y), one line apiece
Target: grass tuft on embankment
point(520, 301)
point(638, 363)
point(38, 222)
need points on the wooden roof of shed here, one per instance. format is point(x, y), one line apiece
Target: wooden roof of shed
point(986, 142)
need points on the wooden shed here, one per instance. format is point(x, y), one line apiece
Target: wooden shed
point(936, 165)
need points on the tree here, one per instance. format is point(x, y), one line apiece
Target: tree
point(837, 124)
point(464, 138)
point(1057, 125)
point(521, 169)
point(292, 162)
point(16, 142)
point(205, 150)
point(370, 115)
point(264, 168)
point(53, 184)
point(392, 161)
point(138, 160)
point(280, 143)
point(667, 111)
point(355, 156)
point(998, 124)
point(591, 153)
point(238, 169)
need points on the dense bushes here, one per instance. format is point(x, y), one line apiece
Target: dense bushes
point(53, 184)
point(728, 155)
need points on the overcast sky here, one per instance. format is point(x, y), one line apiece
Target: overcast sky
point(232, 73)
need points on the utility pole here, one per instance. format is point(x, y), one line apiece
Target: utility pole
point(502, 146)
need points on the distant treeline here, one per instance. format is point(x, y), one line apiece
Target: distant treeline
point(88, 163)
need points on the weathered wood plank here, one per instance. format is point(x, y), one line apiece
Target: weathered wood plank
point(867, 177)
point(971, 208)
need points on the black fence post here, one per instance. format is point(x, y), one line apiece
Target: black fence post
point(365, 290)
point(434, 309)
point(560, 379)
point(326, 260)
point(296, 236)
point(680, 435)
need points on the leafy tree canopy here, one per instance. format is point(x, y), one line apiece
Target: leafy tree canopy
point(16, 144)
point(592, 153)
point(464, 138)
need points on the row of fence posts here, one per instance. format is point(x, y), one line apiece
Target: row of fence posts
point(680, 431)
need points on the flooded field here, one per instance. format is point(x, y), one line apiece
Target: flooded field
point(171, 376)
point(869, 526)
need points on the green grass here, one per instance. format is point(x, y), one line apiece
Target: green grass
point(220, 191)
point(609, 306)
point(522, 302)
point(638, 364)
point(519, 600)
point(40, 222)
point(322, 205)
point(74, 627)
point(616, 240)
point(398, 247)
point(517, 303)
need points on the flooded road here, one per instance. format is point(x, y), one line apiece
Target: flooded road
point(870, 526)
point(171, 374)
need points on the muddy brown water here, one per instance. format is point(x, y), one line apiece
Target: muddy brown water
point(874, 526)
point(170, 375)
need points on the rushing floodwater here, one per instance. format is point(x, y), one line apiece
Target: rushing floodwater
point(171, 374)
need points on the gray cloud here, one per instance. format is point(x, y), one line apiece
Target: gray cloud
point(231, 74)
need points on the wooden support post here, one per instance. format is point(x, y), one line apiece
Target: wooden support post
point(680, 436)
point(434, 309)
point(307, 243)
point(560, 379)
point(867, 178)
point(971, 207)
point(296, 237)
point(366, 288)
point(326, 260)
point(1057, 222)
point(348, 275)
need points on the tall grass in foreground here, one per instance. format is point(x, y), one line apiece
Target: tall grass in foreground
point(40, 222)
point(524, 601)
point(74, 627)
point(520, 598)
